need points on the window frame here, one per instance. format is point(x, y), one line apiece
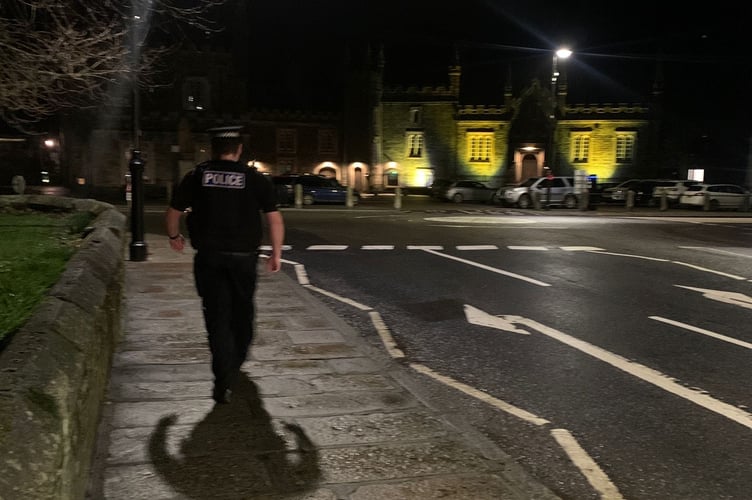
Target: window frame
point(480, 147)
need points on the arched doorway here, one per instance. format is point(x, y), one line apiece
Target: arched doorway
point(328, 172)
point(358, 182)
point(529, 167)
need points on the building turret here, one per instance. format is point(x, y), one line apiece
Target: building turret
point(455, 74)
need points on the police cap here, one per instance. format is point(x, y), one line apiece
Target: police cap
point(225, 132)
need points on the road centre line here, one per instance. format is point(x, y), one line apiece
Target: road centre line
point(702, 331)
point(477, 247)
point(327, 247)
point(425, 247)
point(377, 247)
point(489, 268)
point(519, 247)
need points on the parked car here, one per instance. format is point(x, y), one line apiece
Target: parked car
point(673, 191)
point(562, 192)
point(437, 186)
point(715, 196)
point(316, 189)
point(643, 189)
point(465, 190)
point(618, 193)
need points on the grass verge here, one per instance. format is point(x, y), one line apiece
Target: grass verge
point(34, 250)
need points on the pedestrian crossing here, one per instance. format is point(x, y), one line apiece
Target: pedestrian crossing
point(466, 248)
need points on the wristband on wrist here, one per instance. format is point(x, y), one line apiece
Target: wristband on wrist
point(174, 237)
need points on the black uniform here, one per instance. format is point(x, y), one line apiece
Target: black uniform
point(226, 201)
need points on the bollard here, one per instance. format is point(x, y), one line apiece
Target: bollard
point(664, 201)
point(706, 203)
point(398, 198)
point(349, 198)
point(630, 199)
point(584, 200)
point(298, 196)
point(535, 196)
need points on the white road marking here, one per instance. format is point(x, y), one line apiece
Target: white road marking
point(722, 251)
point(268, 248)
point(482, 396)
point(696, 329)
point(425, 247)
point(519, 247)
point(591, 470)
point(351, 302)
point(705, 269)
point(386, 335)
point(630, 255)
point(488, 219)
point(300, 272)
point(327, 247)
point(377, 247)
point(733, 298)
point(640, 371)
point(477, 247)
point(582, 249)
point(489, 268)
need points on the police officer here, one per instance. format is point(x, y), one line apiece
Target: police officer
point(224, 201)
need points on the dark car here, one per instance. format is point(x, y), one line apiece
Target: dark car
point(437, 186)
point(315, 189)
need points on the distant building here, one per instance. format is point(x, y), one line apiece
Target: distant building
point(384, 136)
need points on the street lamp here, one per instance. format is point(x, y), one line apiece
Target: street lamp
point(562, 53)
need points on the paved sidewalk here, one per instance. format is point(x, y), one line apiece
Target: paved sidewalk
point(319, 414)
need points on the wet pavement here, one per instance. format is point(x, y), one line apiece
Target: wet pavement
point(318, 413)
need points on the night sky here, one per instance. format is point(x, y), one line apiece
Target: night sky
point(297, 47)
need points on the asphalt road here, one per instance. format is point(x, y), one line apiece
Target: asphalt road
point(608, 354)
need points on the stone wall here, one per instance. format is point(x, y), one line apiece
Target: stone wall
point(54, 371)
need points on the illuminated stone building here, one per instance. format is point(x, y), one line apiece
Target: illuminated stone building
point(418, 134)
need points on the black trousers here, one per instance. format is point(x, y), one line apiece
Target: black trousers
point(226, 282)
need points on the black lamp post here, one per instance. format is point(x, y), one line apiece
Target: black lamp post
point(551, 158)
point(136, 165)
point(138, 245)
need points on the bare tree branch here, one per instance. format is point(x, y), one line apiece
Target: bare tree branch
point(60, 54)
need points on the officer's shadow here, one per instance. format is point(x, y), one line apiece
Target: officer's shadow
point(236, 453)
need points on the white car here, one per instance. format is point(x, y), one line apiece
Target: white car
point(561, 192)
point(466, 190)
point(716, 196)
point(674, 191)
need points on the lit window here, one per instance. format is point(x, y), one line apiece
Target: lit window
point(286, 140)
point(580, 148)
point(415, 145)
point(625, 146)
point(327, 142)
point(480, 146)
